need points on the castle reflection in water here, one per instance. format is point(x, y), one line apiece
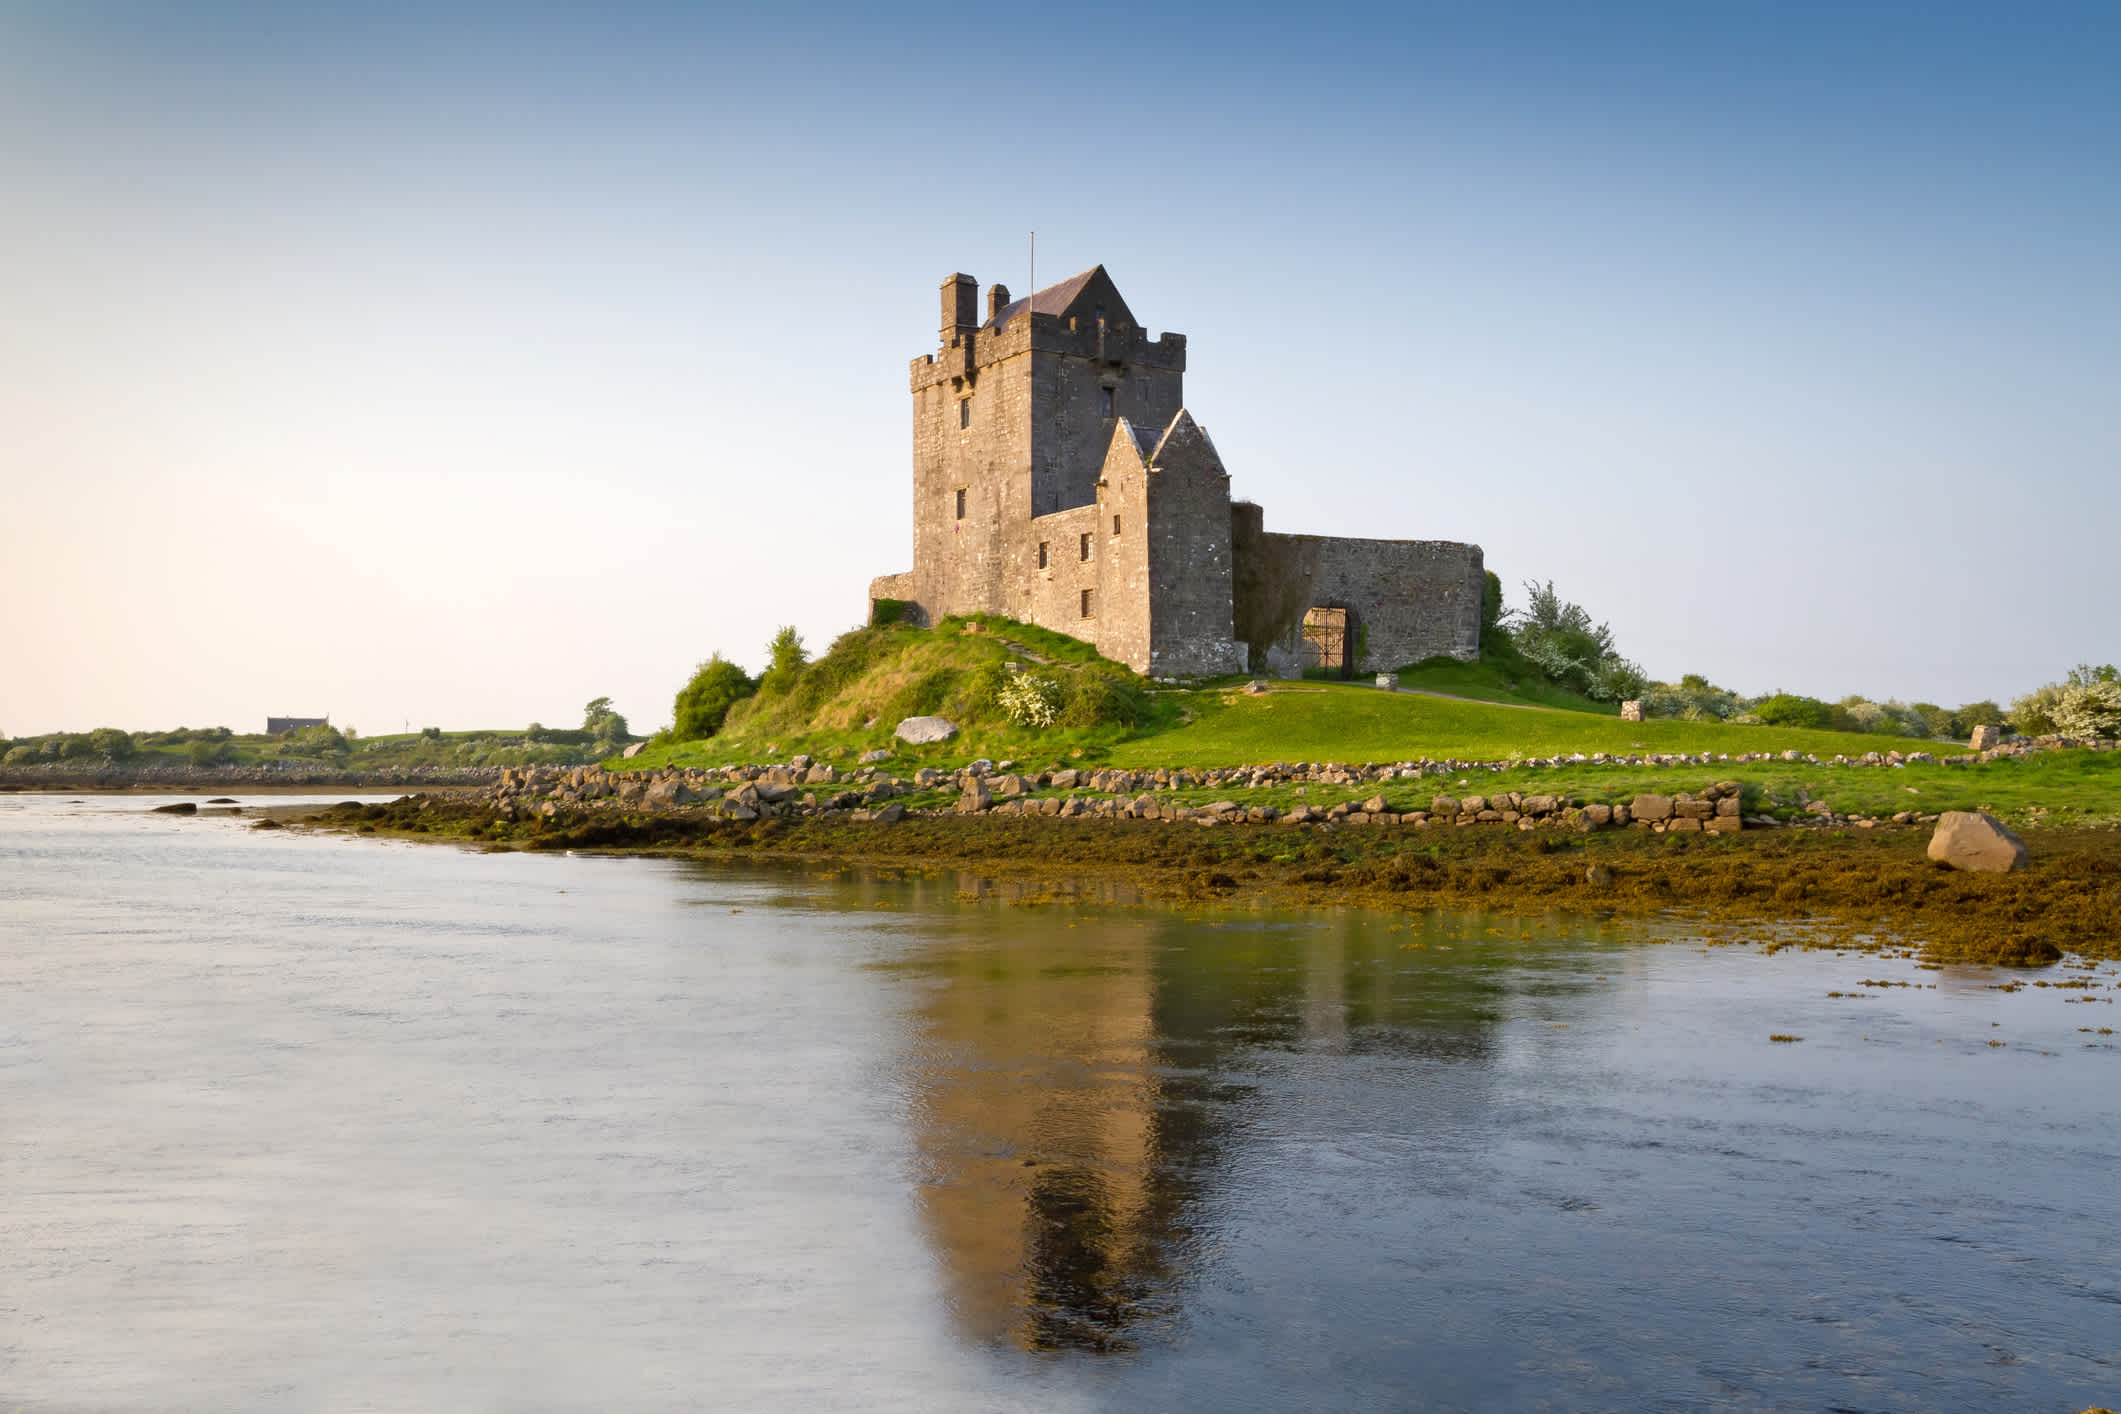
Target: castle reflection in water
point(1078, 1086)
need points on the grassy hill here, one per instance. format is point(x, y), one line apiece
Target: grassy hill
point(850, 701)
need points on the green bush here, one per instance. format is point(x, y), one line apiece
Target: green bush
point(785, 661)
point(322, 740)
point(21, 754)
point(883, 612)
point(1788, 709)
point(1104, 699)
point(207, 753)
point(109, 741)
point(2034, 713)
point(703, 704)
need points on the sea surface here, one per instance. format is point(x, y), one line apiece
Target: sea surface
point(302, 1122)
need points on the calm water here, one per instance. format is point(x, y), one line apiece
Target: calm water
point(299, 1123)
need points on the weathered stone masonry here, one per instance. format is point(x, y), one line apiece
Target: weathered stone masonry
point(1059, 479)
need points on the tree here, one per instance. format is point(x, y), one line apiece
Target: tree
point(704, 702)
point(599, 719)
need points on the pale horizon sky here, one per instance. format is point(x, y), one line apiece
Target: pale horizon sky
point(454, 364)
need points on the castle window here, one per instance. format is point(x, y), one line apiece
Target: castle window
point(960, 503)
point(1085, 547)
point(1043, 547)
point(1088, 610)
point(1115, 525)
point(1100, 314)
point(964, 412)
point(1104, 402)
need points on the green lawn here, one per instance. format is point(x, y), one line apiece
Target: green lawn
point(1486, 681)
point(1318, 721)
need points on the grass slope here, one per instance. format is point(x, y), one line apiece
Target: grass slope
point(850, 701)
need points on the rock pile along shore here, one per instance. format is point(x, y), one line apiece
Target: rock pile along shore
point(871, 792)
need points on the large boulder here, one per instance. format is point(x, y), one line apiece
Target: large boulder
point(1976, 841)
point(1650, 807)
point(1985, 738)
point(667, 794)
point(922, 730)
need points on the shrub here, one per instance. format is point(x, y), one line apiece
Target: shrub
point(1692, 699)
point(430, 733)
point(703, 704)
point(321, 740)
point(1788, 709)
point(1493, 613)
point(1890, 718)
point(21, 755)
point(109, 741)
point(1030, 701)
point(2034, 713)
point(1103, 699)
point(208, 753)
point(1615, 679)
point(2089, 709)
point(785, 661)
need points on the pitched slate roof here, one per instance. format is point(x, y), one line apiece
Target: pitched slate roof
point(1054, 299)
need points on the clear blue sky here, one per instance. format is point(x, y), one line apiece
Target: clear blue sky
point(455, 364)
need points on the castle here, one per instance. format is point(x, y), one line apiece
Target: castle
point(1059, 479)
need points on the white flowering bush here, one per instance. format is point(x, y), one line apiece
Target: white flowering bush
point(1030, 701)
point(2089, 709)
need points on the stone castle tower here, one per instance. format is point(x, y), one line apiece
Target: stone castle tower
point(1059, 479)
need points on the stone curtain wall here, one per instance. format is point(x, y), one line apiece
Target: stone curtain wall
point(1408, 599)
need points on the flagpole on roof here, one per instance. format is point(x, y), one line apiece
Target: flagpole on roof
point(1034, 282)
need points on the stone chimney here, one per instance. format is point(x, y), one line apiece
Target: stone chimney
point(960, 306)
point(997, 300)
